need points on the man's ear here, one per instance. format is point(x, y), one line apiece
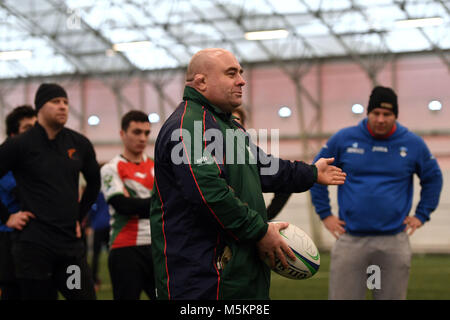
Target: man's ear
point(200, 82)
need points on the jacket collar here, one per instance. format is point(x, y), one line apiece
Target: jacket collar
point(395, 132)
point(41, 129)
point(192, 94)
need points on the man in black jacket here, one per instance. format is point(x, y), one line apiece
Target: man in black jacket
point(46, 162)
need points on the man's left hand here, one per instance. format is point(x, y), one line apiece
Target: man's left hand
point(412, 223)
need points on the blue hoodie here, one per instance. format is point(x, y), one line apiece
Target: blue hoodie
point(99, 213)
point(377, 195)
point(7, 184)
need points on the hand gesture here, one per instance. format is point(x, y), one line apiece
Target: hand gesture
point(328, 174)
point(272, 245)
point(19, 220)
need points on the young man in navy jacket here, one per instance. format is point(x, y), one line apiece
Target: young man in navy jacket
point(380, 157)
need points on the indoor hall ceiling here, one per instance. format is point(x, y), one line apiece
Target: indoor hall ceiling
point(51, 37)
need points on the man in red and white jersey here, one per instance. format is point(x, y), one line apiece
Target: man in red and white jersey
point(127, 181)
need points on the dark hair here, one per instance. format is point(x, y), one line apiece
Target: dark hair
point(133, 115)
point(15, 116)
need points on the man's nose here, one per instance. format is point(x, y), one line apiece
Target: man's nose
point(240, 81)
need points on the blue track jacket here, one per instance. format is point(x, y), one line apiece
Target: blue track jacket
point(377, 195)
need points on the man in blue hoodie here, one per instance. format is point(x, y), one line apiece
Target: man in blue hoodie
point(380, 157)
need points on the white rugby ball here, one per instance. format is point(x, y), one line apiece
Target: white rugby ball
point(307, 255)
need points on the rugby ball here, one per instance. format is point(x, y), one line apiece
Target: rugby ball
point(307, 255)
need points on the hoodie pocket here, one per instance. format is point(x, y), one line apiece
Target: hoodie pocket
point(373, 213)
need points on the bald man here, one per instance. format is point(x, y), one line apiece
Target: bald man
point(210, 235)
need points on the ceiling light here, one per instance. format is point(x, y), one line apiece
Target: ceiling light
point(93, 120)
point(357, 108)
point(284, 112)
point(129, 46)
point(435, 105)
point(15, 55)
point(419, 23)
point(153, 117)
point(267, 34)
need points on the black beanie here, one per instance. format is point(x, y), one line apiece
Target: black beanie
point(47, 92)
point(382, 97)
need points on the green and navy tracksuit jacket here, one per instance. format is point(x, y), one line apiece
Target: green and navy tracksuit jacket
point(207, 201)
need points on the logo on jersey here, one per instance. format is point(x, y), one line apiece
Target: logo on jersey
point(202, 160)
point(70, 152)
point(354, 149)
point(140, 175)
point(403, 151)
point(379, 149)
point(107, 180)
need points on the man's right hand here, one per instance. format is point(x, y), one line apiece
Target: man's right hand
point(334, 225)
point(272, 245)
point(19, 219)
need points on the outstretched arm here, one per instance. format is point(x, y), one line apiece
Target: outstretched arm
point(319, 192)
point(328, 174)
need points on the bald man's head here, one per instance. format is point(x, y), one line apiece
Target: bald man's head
point(217, 75)
point(203, 61)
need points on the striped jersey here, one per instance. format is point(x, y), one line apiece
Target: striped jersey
point(122, 177)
